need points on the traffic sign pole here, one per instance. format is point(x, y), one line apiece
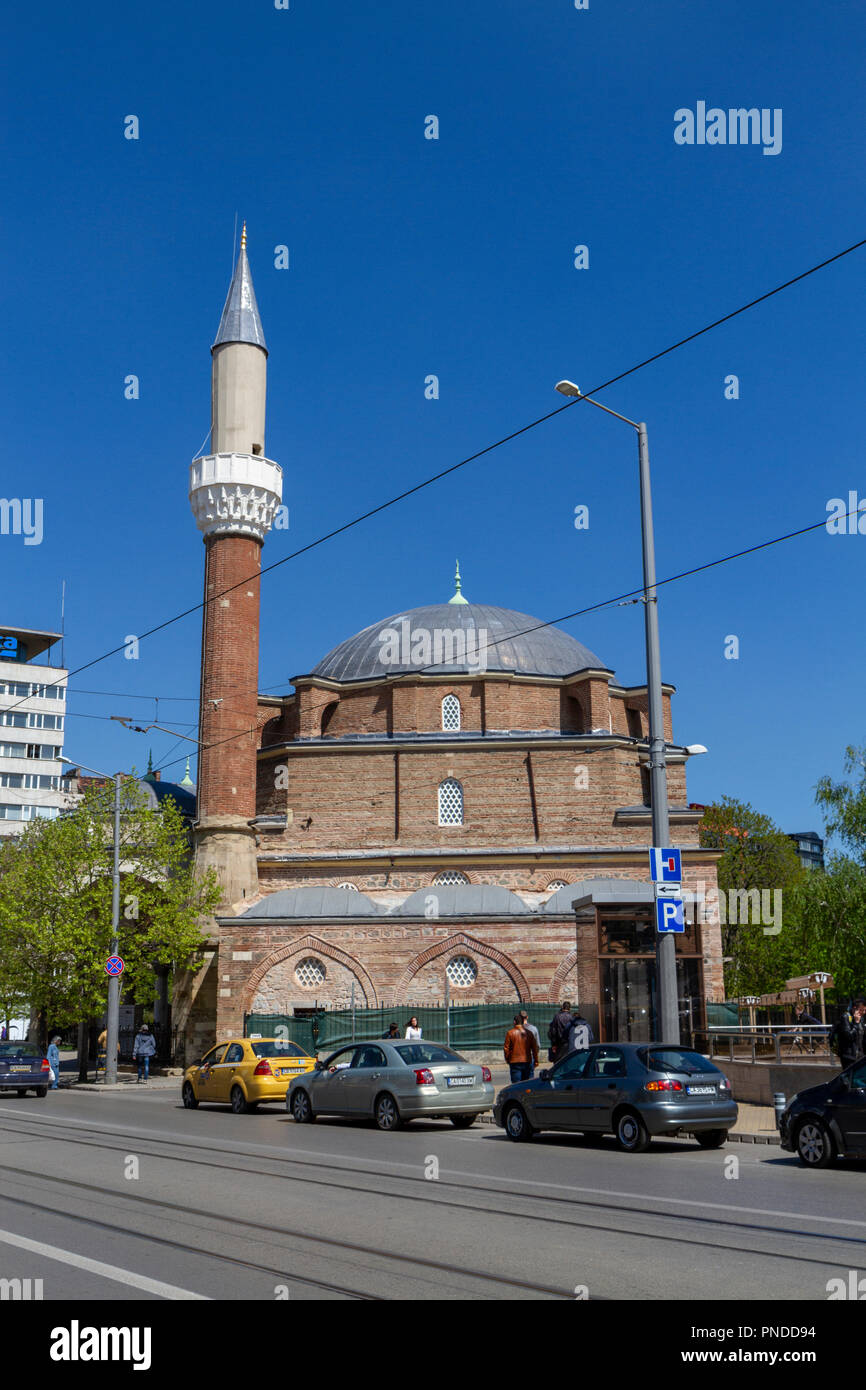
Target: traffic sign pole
point(667, 1012)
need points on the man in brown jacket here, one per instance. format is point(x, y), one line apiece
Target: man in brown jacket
point(521, 1051)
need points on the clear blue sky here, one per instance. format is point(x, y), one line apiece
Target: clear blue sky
point(454, 257)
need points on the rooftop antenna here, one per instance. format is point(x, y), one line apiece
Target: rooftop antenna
point(62, 622)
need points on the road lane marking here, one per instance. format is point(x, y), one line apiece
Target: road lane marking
point(309, 1156)
point(120, 1276)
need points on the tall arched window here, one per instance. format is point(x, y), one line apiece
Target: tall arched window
point(450, 802)
point(450, 713)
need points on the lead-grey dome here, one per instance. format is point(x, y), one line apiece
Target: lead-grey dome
point(514, 642)
point(463, 900)
point(314, 902)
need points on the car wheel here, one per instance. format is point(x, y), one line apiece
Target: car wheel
point(462, 1121)
point(302, 1110)
point(386, 1114)
point(41, 1091)
point(517, 1127)
point(188, 1096)
point(815, 1147)
point(239, 1101)
point(712, 1138)
point(631, 1133)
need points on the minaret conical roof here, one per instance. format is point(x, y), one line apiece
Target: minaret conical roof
point(241, 322)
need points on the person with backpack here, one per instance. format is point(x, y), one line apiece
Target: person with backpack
point(558, 1032)
point(848, 1035)
point(580, 1035)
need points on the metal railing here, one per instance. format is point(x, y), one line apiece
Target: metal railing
point(779, 1043)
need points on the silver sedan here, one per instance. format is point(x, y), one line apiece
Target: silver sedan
point(391, 1082)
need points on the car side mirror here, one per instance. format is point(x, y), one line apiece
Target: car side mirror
point(544, 1075)
point(319, 1064)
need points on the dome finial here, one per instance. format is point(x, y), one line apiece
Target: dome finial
point(458, 596)
point(187, 780)
point(244, 237)
point(149, 775)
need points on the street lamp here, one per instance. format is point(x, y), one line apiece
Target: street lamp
point(113, 1016)
point(668, 1021)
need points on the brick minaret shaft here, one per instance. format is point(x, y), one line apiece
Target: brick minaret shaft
point(234, 492)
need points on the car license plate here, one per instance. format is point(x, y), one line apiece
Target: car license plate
point(20, 1068)
point(701, 1090)
point(460, 1080)
point(289, 1071)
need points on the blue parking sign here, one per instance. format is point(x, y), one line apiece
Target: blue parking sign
point(669, 915)
point(666, 866)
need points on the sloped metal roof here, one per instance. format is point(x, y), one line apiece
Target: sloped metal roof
point(315, 902)
point(487, 638)
point(463, 900)
point(241, 322)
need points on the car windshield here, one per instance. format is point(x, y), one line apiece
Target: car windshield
point(23, 1050)
point(276, 1047)
point(417, 1054)
point(675, 1059)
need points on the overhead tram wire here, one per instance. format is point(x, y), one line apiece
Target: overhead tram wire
point(471, 458)
point(630, 596)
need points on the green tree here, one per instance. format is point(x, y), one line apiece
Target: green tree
point(844, 804)
point(828, 924)
point(56, 903)
point(755, 854)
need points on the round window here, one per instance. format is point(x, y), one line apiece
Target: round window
point(310, 972)
point(461, 971)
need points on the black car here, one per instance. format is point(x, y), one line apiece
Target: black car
point(635, 1091)
point(829, 1121)
point(23, 1067)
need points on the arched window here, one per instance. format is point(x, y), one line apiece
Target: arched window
point(450, 802)
point(352, 886)
point(450, 878)
point(555, 886)
point(450, 713)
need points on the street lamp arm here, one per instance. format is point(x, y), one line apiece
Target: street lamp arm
point(568, 388)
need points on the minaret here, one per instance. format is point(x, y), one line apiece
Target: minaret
point(234, 492)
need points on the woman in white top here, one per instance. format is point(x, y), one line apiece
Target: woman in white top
point(413, 1032)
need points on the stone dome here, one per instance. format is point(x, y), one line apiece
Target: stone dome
point(449, 638)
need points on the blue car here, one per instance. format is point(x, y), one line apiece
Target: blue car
point(23, 1067)
point(634, 1091)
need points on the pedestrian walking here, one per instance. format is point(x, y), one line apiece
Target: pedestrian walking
point(143, 1049)
point(580, 1034)
point(558, 1032)
point(393, 1031)
point(521, 1051)
point(413, 1032)
point(531, 1028)
point(53, 1055)
point(847, 1036)
point(802, 1019)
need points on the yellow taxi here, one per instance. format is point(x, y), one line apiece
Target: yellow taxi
point(244, 1071)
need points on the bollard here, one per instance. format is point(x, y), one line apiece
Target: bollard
point(779, 1105)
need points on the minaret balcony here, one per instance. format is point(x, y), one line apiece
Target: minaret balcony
point(235, 494)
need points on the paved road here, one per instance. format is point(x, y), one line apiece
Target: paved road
point(128, 1197)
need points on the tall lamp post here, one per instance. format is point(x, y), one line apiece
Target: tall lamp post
point(113, 1015)
point(668, 1016)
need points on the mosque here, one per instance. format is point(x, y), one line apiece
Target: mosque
point(455, 798)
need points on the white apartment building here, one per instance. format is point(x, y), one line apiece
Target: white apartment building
point(32, 712)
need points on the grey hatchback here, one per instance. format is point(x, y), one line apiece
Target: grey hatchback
point(635, 1091)
point(393, 1081)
